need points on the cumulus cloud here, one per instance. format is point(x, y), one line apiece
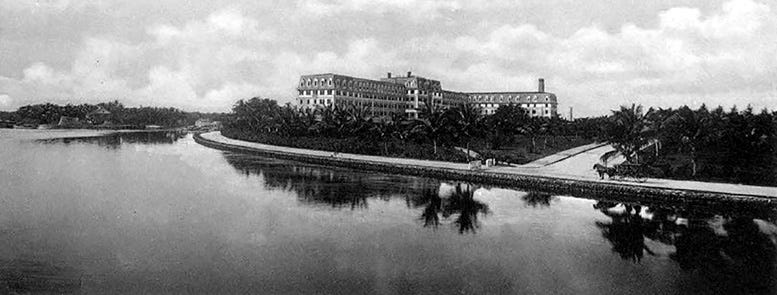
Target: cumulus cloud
point(721, 58)
point(685, 55)
point(5, 99)
point(415, 9)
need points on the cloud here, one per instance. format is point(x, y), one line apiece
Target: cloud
point(723, 57)
point(684, 55)
point(183, 66)
point(416, 9)
point(5, 100)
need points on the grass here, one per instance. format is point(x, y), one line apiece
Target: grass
point(355, 145)
point(520, 150)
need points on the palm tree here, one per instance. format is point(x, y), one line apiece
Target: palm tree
point(628, 130)
point(503, 124)
point(692, 127)
point(358, 120)
point(432, 124)
point(468, 120)
point(331, 121)
point(533, 127)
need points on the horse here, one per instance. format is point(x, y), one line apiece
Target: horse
point(602, 170)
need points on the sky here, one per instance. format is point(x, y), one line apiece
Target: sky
point(205, 55)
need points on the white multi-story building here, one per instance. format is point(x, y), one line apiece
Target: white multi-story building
point(408, 94)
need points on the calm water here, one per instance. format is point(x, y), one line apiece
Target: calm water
point(156, 213)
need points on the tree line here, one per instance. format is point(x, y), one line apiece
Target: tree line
point(433, 135)
point(734, 145)
point(48, 113)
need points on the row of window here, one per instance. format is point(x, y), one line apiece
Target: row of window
point(478, 98)
point(350, 83)
point(509, 98)
point(395, 107)
point(488, 105)
point(533, 112)
point(325, 101)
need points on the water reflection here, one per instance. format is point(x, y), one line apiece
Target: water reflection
point(731, 250)
point(538, 199)
point(458, 201)
point(626, 230)
point(115, 140)
point(322, 186)
point(350, 189)
point(178, 218)
point(24, 276)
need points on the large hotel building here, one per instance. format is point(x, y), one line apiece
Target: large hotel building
point(408, 94)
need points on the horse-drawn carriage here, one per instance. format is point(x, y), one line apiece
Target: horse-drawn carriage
point(637, 172)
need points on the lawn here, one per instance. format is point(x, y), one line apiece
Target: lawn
point(520, 150)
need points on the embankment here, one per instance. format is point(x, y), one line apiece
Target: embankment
point(623, 192)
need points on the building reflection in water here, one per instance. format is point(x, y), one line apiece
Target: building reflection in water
point(115, 140)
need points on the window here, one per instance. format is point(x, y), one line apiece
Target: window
point(308, 82)
point(301, 92)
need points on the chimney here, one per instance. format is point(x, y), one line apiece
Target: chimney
point(389, 75)
point(541, 86)
point(409, 73)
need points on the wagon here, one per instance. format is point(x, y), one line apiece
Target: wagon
point(638, 172)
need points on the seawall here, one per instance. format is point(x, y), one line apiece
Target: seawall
point(621, 191)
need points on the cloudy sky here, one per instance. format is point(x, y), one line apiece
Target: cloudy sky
point(204, 55)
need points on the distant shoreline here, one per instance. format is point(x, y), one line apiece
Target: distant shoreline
point(457, 172)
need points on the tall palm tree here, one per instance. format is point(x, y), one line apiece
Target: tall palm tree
point(692, 127)
point(533, 127)
point(468, 119)
point(358, 120)
point(628, 130)
point(432, 124)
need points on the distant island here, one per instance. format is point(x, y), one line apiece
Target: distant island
point(108, 115)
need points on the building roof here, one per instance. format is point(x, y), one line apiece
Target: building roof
point(99, 111)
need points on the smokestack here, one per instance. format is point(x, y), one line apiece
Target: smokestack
point(541, 87)
point(409, 73)
point(389, 75)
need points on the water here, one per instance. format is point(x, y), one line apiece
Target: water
point(151, 213)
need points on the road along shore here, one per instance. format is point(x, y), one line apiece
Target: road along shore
point(524, 179)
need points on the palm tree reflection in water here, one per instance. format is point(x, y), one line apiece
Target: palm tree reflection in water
point(732, 251)
point(459, 202)
point(538, 199)
point(626, 231)
point(351, 189)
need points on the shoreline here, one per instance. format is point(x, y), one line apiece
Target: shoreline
point(524, 180)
